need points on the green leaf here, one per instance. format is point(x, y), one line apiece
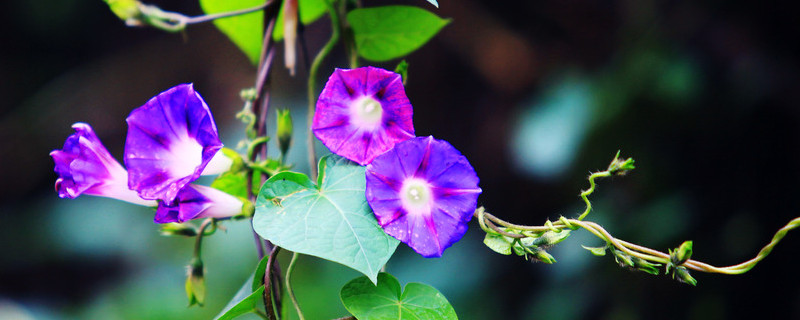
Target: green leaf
point(245, 300)
point(388, 32)
point(309, 11)
point(331, 220)
point(598, 251)
point(234, 184)
point(242, 303)
point(498, 243)
point(385, 301)
point(246, 31)
point(258, 275)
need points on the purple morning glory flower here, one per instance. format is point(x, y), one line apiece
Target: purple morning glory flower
point(362, 113)
point(423, 192)
point(171, 140)
point(84, 166)
point(195, 202)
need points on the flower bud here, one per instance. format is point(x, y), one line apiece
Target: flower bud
point(550, 238)
point(177, 229)
point(646, 266)
point(620, 166)
point(682, 274)
point(682, 254)
point(538, 254)
point(623, 259)
point(284, 130)
point(195, 283)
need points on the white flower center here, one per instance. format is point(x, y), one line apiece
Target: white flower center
point(416, 196)
point(367, 113)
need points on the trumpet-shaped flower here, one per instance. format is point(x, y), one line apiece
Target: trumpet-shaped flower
point(195, 202)
point(361, 113)
point(84, 166)
point(423, 192)
point(171, 140)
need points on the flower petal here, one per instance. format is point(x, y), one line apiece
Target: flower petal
point(84, 166)
point(171, 139)
point(196, 202)
point(423, 192)
point(362, 113)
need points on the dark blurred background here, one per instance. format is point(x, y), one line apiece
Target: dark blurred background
point(703, 94)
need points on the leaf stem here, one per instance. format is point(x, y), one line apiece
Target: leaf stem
point(289, 285)
point(312, 80)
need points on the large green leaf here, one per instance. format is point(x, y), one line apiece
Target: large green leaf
point(385, 301)
point(309, 11)
point(246, 31)
point(388, 32)
point(330, 220)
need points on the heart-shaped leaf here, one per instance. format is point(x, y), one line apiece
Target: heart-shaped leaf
point(331, 220)
point(388, 32)
point(385, 301)
point(246, 31)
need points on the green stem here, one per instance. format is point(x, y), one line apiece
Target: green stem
point(312, 81)
point(289, 285)
point(585, 194)
point(198, 242)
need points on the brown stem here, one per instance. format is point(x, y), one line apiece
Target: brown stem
point(269, 293)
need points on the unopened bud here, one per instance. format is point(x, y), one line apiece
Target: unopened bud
point(623, 259)
point(682, 274)
point(682, 254)
point(620, 166)
point(195, 283)
point(646, 266)
point(550, 238)
point(284, 130)
point(538, 254)
point(177, 229)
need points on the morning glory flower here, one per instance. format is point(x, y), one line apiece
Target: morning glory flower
point(362, 113)
point(84, 166)
point(423, 192)
point(195, 202)
point(171, 140)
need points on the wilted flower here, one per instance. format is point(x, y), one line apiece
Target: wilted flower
point(84, 166)
point(362, 113)
point(195, 202)
point(171, 140)
point(423, 192)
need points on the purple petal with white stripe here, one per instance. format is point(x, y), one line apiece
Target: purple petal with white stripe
point(196, 202)
point(362, 113)
point(423, 192)
point(84, 166)
point(171, 139)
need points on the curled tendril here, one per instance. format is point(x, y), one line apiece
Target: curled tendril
point(647, 258)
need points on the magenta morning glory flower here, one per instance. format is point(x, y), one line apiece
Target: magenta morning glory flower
point(423, 192)
point(362, 113)
point(84, 166)
point(195, 202)
point(171, 140)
